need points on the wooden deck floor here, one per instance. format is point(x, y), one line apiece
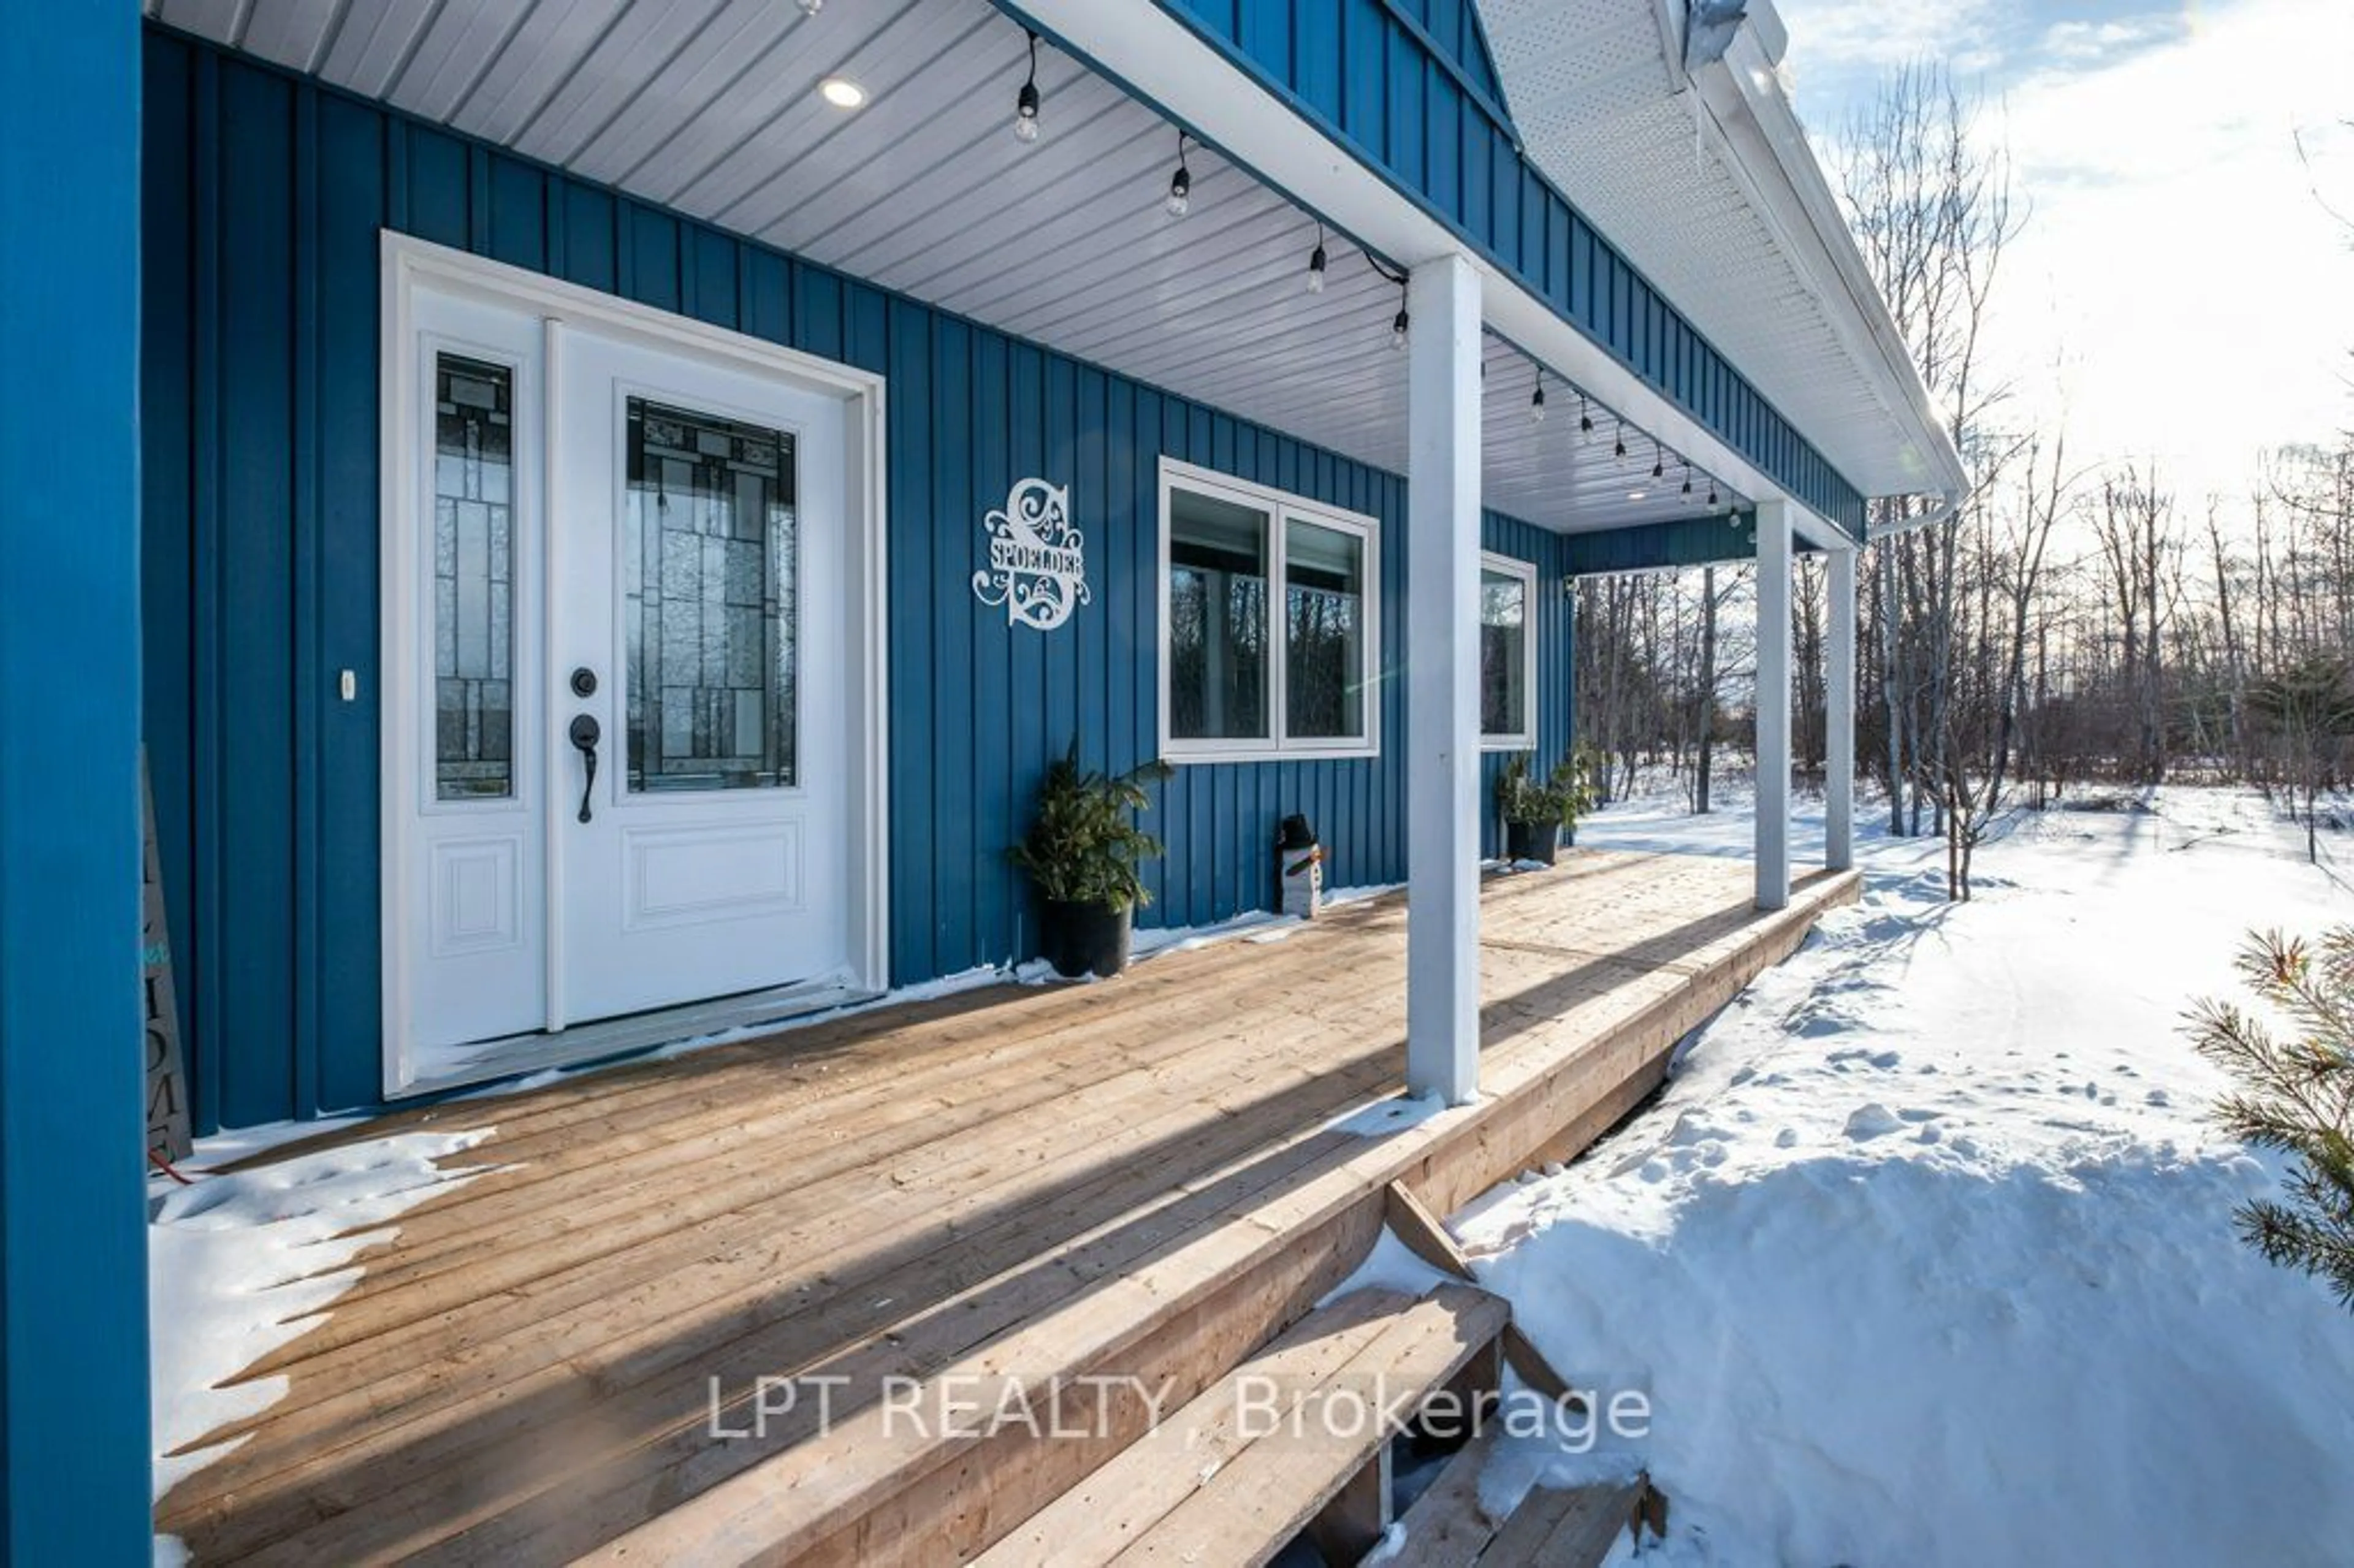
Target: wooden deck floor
point(527, 1372)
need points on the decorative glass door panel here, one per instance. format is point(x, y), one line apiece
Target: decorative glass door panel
point(613, 789)
point(474, 578)
point(708, 563)
point(699, 518)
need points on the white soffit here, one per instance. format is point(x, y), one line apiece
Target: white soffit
point(1709, 189)
point(710, 107)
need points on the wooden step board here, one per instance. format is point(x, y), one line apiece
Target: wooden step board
point(1276, 1447)
point(1447, 1527)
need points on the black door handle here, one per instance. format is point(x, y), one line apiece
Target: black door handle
point(585, 734)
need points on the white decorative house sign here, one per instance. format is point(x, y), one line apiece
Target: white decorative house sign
point(1037, 561)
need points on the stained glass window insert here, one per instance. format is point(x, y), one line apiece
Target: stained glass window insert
point(474, 579)
point(710, 601)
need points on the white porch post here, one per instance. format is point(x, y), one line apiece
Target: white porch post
point(1773, 705)
point(1442, 641)
point(1838, 718)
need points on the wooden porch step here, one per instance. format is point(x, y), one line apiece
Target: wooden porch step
point(1571, 1528)
point(1449, 1527)
point(1296, 1437)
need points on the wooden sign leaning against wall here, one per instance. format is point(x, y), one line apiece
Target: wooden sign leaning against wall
point(167, 1076)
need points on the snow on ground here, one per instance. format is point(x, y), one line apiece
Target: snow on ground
point(1926, 1255)
point(238, 1263)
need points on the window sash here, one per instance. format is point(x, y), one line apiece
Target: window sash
point(1279, 513)
point(1524, 668)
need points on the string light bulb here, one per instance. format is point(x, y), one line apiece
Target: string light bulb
point(1536, 400)
point(1026, 102)
point(1400, 324)
point(1316, 263)
point(1180, 184)
point(1659, 460)
point(1584, 416)
point(1619, 449)
point(1687, 476)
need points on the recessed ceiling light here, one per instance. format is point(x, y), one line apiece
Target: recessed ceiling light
point(843, 93)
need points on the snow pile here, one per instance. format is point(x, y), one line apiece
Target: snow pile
point(238, 1263)
point(1926, 1256)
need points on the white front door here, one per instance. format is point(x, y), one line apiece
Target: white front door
point(695, 620)
point(620, 614)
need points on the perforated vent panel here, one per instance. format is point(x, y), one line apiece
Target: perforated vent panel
point(1600, 95)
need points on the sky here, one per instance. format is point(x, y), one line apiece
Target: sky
point(2178, 294)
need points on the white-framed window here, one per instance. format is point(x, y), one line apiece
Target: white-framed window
point(1508, 654)
point(1270, 622)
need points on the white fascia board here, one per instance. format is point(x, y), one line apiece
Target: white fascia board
point(1773, 162)
point(1161, 61)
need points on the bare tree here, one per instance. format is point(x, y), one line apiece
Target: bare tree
point(1931, 206)
point(2006, 567)
point(2134, 527)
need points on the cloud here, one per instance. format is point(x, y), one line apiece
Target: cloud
point(2178, 292)
point(1844, 33)
point(2076, 45)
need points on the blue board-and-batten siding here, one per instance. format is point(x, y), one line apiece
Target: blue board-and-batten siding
point(1381, 78)
point(264, 196)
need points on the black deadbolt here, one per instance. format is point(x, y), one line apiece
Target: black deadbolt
point(584, 682)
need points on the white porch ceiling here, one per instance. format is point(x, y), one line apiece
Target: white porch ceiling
point(1669, 168)
point(711, 107)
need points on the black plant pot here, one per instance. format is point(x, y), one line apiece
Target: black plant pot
point(1085, 938)
point(1539, 841)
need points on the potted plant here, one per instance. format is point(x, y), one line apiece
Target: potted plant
point(1537, 814)
point(1082, 852)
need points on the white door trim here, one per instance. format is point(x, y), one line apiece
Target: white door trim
point(411, 264)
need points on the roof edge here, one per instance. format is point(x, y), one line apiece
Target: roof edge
point(1763, 133)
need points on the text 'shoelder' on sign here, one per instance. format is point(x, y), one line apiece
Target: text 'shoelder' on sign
point(1037, 561)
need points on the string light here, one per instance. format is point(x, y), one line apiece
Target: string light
point(1180, 184)
point(1687, 476)
point(1316, 263)
point(1659, 460)
point(1620, 450)
point(1400, 322)
point(1536, 400)
point(1026, 102)
point(1584, 416)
